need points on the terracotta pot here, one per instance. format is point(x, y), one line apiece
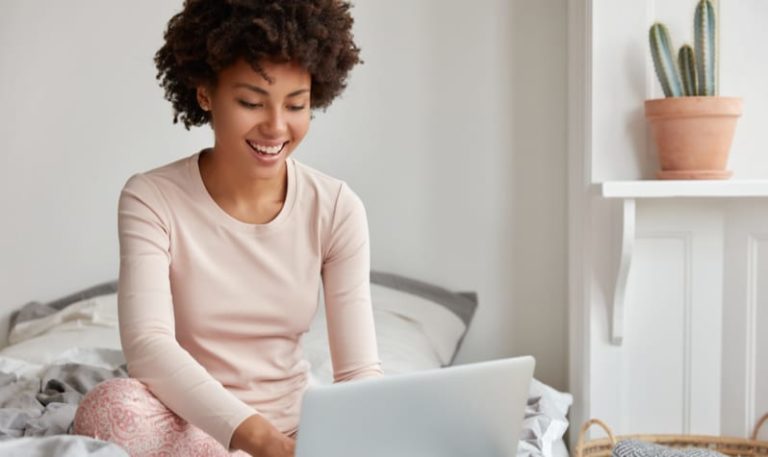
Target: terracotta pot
point(693, 135)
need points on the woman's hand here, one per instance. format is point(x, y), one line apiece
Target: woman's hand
point(260, 438)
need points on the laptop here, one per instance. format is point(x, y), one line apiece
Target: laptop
point(473, 410)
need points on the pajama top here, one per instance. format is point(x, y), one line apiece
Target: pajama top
point(212, 309)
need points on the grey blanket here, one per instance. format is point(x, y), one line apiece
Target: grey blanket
point(60, 446)
point(45, 405)
point(635, 448)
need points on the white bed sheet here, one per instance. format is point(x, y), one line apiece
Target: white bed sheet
point(559, 449)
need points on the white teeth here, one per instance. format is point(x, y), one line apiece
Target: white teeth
point(271, 150)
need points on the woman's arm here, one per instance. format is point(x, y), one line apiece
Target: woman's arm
point(147, 324)
point(346, 284)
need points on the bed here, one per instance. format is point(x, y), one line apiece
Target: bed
point(60, 349)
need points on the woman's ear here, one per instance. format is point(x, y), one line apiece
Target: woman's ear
point(203, 98)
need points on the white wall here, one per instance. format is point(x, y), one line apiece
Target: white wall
point(452, 132)
point(81, 112)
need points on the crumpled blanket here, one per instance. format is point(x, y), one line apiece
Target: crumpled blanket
point(545, 420)
point(60, 446)
point(44, 404)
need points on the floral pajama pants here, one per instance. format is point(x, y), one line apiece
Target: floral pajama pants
point(125, 412)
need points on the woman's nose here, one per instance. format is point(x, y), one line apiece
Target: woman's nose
point(275, 123)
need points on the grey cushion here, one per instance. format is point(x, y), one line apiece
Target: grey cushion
point(463, 304)
point(36, 309)
point(634, 448)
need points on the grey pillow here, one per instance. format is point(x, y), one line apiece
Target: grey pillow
point(463, 304)
point(36, 309)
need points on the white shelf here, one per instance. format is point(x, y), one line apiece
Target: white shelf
point(675, 189)
point(630, 191)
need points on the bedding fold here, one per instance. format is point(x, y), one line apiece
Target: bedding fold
point(42, 401)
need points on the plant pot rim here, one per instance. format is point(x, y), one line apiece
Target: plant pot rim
point(700, 98)
point(695, 106)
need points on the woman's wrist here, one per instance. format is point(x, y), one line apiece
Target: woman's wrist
point(251, 434)
point(258, 436)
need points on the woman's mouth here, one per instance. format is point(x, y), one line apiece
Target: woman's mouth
point(265, 149)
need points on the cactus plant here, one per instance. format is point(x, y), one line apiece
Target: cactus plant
point(666, 70)
point(687, 63)
point(695, 72)
point(693, 126)
point(704, 31)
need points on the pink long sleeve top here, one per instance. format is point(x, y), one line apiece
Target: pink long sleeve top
point(212, 309)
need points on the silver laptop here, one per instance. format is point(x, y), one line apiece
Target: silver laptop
point(473, 410)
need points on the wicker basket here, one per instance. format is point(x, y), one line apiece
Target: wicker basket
point(603, 447)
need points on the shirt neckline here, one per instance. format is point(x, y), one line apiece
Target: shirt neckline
point(224, 218)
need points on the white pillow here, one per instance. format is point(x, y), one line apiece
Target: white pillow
point(90, 323)
point(441, 327)
point(412, 334)
point(49, 347)
point(98, 311)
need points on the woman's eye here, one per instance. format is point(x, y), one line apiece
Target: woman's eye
point(248, 105)
point(296, 107)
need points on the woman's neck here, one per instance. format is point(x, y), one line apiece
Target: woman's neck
point(249, 199)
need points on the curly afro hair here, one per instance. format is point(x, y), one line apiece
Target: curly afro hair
point(210, 35)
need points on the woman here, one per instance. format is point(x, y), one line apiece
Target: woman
point(222, 253)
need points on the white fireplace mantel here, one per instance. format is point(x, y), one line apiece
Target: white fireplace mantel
point(629, 191)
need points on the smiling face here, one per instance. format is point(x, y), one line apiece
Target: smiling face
point(257, 124)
